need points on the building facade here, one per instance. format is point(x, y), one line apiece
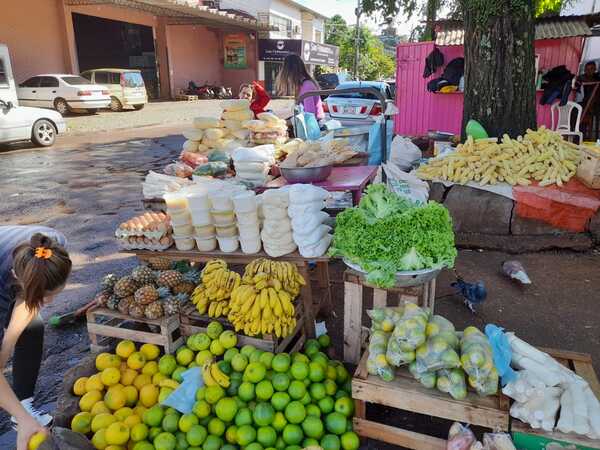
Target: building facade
point(172, 42)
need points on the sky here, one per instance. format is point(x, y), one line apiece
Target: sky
point(346, 9)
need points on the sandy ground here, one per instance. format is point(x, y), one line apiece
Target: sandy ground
point(85, 186)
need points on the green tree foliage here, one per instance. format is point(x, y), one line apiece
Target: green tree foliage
point(374, 64)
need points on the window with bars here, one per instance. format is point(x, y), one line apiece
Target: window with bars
point(283, 24)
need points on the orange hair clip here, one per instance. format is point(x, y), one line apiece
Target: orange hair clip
point(43, 253)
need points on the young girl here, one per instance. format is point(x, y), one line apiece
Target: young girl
point(294, 80)
point(34, 267)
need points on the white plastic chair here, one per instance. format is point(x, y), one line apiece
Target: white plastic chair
point(563, 127)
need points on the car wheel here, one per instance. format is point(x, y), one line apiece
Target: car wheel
point(115, 104)
point(61, 105)
point(43, 133)
point(138, 107)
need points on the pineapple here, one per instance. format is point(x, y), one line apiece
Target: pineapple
point(108, 282)
point(192, 276)
point(159, 263)
point(124, 304)
point(171, 306)
point(143, 275)
point(154, 310)
point(113, 302)
point(169, 278)
point(182, 298)
point(125, 287)
point(146, 295)
point(184, 288)
point(136, 311)
point(102, 298)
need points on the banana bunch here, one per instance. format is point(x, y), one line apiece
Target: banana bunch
point(212, 296)
point(169, 383)
point(213, 375)
point(262, 305)
point(284, 272)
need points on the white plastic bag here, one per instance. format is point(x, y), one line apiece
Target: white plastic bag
point(312, 237)
point(318, 249)
point(260, 153)
point(302, 223)
point(406, 184)
point(404, 153)
point(295, 210)
point(307, 193)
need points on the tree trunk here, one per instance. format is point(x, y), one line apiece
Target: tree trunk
point(500, 66)
point(430, 15)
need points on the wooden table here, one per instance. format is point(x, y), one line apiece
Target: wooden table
point(353, 179)
point(238, 257)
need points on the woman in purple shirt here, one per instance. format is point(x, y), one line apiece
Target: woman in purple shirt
point(294, 80)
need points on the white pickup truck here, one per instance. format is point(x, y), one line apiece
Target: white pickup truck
point(22, 123)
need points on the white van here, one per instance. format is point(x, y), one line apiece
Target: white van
point(21, 123)
point(126, 86)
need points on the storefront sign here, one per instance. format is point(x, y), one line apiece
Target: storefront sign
point(310, 52)
point(321, 54)
point(278, 49)
point(235, 52)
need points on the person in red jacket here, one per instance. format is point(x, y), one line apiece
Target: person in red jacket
point(256, 95)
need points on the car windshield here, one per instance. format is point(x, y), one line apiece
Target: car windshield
point(356, 94)
point(133, 79)
point(75, 80)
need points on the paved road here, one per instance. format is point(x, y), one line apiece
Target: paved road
point(85, 186)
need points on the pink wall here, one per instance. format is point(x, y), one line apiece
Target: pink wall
point(235, 77)
point(421, 111)
point(23, 32)
point(193, 55)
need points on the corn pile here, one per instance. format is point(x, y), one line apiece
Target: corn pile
point(540, 155)
point(263, 302)
point(218, 282)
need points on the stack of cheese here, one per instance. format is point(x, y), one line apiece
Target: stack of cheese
point(276, 232)
point(235, 113)
point(267, 129)
point(305, 209)
point(252, 165)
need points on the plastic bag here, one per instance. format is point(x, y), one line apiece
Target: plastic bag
point(300, 209)
point(317, 249)
point(436, 353)
point(403, 153)
point(178, 169)
point(396, 356)
point(497, 441)
point(502, 353)
point(307, 193)
point(306, 126)
point(460, 437)
point(184, 397)
point(410, 331)
point(193, 159)
point(427, 379)
point(190, 146)
point(377, 363)
point(214, 134)
point(452, 381)
point(406, 185)
point(216, 168)
point(305, 222)
point(312, 237)
point(385, 319)
point(477, 361)
point(260, 153)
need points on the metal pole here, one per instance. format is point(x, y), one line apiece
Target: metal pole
point(358, 12)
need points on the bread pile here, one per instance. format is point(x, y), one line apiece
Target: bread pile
point(267, 129)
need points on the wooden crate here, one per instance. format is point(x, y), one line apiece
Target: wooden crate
point(105, 325)
point(408, 394)
point(186, 98)
point(354, 284)
point(192, 322)
point(527, 438)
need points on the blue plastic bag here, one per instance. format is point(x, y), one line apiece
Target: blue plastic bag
point(306, 126)
point(374, 146)
point(502, 353)
point(184, 397)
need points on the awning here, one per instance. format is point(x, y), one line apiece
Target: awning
point(192, 12)
point(452, 32)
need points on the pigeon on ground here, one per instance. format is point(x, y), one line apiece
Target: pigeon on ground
point(472, 293)
point(515, 270)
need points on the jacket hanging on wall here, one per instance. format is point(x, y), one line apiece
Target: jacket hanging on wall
point(434, 60)
point(556, 84)
point(450, 77)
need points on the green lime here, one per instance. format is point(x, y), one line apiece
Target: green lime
point(214, 394)
point(231, 434)
point(254, 446)
point(324, 341)
point(226, 409)
point(306, 399)
point(170, 423)
point(281, 381)
point(264, 390)
point(336, 423)
point(299, 370)
point(326, 405)
point(295, 412)
point(230, 353)
point(165, 441)
point(201, 409)
point(255, 372)
point(281, 362)
point(216, 427)
point(243, 417)
point(317, 391)
point(300, 357)
point(246, 391)
point(330, 386)
point(181, 441)
point(246, 434)
point(350, 441)
point(292, 434)
point(279, 421)
point(330, 442)
point(267, 436)
point(267, 359)
point(316, 371)
point(196, 435)
point(153, 416)
point(247, 350)
point(313, 410)
point(187, 421)
point(313, 427)
point(345, 406)
point(214, 329)
point(212, 443)
point(239, 362)
point(280, 400)
point(263, 414)
point(297, 389)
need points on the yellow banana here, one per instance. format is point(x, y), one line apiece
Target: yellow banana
point(264, 298)
point(169, 383)
point(219, 376)
point(207, 376)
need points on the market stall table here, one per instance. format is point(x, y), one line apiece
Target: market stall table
point(353, 179)
point(238, 257)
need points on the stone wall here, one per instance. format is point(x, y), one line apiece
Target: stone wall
point(486, 220)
